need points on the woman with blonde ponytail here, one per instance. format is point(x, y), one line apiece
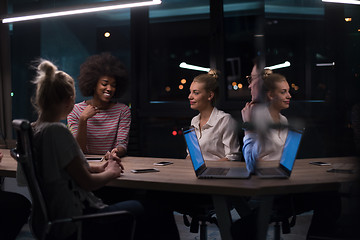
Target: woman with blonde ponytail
point(53, 89)
point(215, 129)
point(66, 177)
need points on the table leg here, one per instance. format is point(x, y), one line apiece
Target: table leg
point(263, 218)
point(222, 209)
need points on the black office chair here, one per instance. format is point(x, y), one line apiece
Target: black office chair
point(197, 210)
point(283, 213)
point(200, 215)
point(40, 222)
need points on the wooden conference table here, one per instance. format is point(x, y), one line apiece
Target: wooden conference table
point(180, 177)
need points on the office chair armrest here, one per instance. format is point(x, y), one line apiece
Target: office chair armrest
point(91, 216)
point(14, 154)
point(100, 215)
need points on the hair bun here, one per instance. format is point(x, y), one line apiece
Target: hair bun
point(47, 67)
point(266, 73)
point(214, 73)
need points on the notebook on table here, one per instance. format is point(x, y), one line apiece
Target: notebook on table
point(288, 157)
point(200, 168)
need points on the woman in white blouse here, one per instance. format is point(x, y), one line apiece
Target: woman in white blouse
point(215, 129)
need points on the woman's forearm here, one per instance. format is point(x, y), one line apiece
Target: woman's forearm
point(81, 136)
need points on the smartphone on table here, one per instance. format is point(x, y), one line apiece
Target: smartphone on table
point(145, 170)
point(163, 163)
point(95, 159)
point(319, 163)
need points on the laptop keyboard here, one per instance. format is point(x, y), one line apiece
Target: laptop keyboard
point(216, 171)
point(270, 171)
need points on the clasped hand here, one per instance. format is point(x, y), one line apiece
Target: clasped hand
point(114, 157)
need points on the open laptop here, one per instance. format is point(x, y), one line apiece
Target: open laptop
point(288, 157)
point(201, 171)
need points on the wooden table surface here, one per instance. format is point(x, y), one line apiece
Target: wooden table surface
point(7, 165)
point(180, 177)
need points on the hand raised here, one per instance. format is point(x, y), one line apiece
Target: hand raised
point(246, 112)
point(89, 112)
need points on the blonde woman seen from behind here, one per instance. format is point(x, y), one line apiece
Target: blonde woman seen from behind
point(66, 177)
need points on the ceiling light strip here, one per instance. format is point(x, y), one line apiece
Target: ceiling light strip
point(325, 64)
point(343, 1)
point(277, 66)
point(79, 11)
point(193, 67)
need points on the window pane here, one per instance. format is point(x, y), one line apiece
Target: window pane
point(294, 31)
point(242, 29)
point(67, 41)
point(179, 32)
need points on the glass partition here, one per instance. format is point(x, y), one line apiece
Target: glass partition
point(67, 41)
point(179, 32)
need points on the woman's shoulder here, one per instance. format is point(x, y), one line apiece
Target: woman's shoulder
point(195, 120)
point(219, 117)
point(220, 114)
point(120, 107)
point(283, 119)
point(80, 106)
point(120, 110)
point(50, 127)
point(49, 130)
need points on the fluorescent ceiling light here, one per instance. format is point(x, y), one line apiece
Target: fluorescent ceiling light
point(105, 6)
point(343, 1)
point(277, 66)
point(325, 64)
point(193, 67)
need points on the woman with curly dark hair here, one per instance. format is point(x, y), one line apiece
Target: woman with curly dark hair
point(101, 124)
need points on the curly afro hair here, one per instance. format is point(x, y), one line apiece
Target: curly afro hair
point(100, 65)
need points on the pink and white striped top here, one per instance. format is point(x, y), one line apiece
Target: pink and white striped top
point(105, 130)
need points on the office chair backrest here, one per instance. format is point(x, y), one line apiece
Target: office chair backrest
point(41, 223)
point(24, 154)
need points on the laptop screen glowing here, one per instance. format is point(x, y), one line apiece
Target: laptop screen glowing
point(194, 148)
point(290, 149)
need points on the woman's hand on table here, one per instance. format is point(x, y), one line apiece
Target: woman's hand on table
point(114, 167)
point(98, 168)
point(113, 157)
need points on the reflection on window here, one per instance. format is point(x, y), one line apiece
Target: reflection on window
point(179, 32)
point(66, 41)
point(243, 31)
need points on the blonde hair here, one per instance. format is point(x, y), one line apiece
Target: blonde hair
point(270, 79)
point(52, 87)
point(210, 81)
point(266, 72)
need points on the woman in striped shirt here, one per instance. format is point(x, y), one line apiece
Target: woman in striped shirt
point(100, 124)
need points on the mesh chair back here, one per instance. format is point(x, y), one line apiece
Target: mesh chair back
point(24, 154)
point(40, 223)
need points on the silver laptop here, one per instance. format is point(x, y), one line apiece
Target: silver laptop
point(288, 157)
point(201, 171)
